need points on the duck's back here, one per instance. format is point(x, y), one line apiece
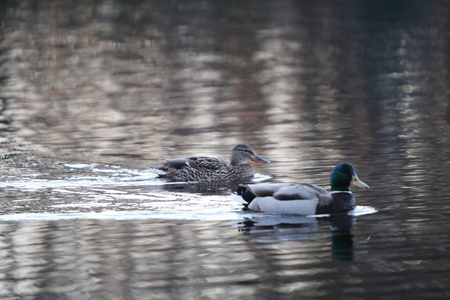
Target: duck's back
point(286, 191)
point(209, 163)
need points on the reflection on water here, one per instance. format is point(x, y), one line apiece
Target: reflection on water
point(95, 93)
point(177, 259)
point(267, 229)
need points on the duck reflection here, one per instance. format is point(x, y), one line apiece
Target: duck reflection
point(272, 228)
point(341, 244)
point(203, 188)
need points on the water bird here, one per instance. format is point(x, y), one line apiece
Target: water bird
point(212, 169)
point(303, 198)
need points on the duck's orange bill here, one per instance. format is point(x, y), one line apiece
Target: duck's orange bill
point(260, 160)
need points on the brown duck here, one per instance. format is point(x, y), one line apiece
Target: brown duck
point(211, 169)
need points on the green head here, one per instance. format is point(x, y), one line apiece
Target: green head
point(342, 176)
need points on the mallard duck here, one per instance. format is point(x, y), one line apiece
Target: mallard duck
point(303, 198)
point(211, 169)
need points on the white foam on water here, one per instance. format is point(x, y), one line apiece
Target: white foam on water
point(108, 175)
point(363, 210)
point(80, 166)
point(358, 211)
point(260, 177)
point(214, 215)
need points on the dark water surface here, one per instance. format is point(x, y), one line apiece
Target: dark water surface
point(94, 93)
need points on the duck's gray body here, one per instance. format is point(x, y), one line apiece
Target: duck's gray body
point(303, 198)
point(294, 198)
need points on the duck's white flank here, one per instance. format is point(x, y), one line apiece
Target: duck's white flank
point(299, 207)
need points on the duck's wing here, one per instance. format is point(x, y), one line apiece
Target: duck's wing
point(209, 163)
point(200, 162)
point(178, 163)
point(285, 191)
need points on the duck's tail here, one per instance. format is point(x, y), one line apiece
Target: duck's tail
point(243, 195)
point(161, 172)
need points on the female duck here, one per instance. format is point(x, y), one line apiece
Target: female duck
point(303, 198)
point(211, 169)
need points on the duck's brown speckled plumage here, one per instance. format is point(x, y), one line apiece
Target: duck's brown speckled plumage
point(211, 169)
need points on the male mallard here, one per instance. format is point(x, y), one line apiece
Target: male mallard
point(303, 198)
point(209, 169)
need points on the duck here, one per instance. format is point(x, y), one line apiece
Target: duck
point(303, 198)
point(212, 169)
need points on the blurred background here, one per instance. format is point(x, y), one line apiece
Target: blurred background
point(307, 84)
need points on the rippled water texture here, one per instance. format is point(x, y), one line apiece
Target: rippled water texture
point(95, 93)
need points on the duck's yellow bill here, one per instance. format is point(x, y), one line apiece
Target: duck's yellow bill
point(356, 182)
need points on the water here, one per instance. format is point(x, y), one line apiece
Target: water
point(94, 94)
